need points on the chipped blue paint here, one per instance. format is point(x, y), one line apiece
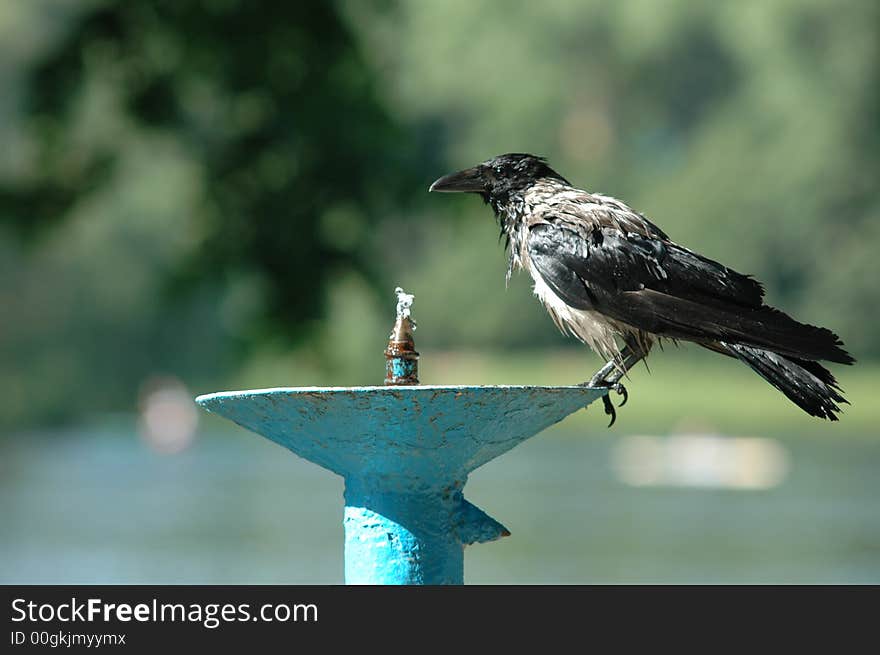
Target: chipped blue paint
point(405, 453)
point(401, 368)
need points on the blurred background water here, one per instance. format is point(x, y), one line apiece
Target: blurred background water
point(101, 507)
point(221, 194)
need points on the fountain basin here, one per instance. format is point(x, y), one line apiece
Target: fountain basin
point(405, 453)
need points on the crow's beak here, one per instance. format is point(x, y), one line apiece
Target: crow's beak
point(469, 180)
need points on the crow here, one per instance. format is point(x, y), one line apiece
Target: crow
point(614, 280)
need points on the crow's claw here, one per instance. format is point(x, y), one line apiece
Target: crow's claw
point(621, 391)
point(609, 409)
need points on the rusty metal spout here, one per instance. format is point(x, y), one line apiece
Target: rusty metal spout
point(401, 358)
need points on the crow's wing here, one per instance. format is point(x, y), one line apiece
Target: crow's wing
point(644, 280)
point(594, 258)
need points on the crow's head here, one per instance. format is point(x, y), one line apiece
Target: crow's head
point(499, 178)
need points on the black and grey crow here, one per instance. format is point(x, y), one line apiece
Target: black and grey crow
point(609, 276)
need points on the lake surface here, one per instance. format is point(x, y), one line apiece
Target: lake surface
point(98, 506)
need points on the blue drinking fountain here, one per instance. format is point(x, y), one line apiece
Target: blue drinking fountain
point(405, 451)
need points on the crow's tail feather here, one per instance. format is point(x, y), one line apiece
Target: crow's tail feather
point(808, 384)
point(704, 320)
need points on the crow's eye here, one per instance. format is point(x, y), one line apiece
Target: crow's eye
point(498, 170)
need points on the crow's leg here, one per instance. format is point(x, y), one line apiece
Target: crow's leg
point(610, 374)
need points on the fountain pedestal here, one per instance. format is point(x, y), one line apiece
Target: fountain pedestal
point(405, 453)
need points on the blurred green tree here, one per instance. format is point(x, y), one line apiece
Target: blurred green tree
point(274, 103)
point(184, 181)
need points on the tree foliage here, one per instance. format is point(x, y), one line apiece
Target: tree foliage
point(272, 101)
